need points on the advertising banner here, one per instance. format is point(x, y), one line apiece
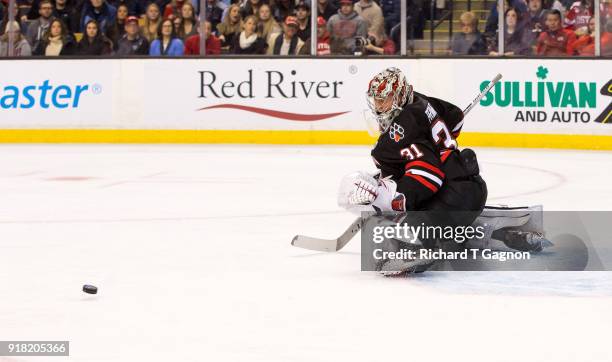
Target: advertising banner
point(324, 97)
point(56, 94)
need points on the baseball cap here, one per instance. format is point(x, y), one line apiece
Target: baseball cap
point(291, 20)
point(346, 2)
point(131, 19)
point(321, 21)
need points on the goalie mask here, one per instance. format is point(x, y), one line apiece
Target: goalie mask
point(387, 93)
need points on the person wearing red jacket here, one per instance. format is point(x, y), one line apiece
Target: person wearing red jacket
point(577, 47)
point(213, 44)
point(606, 43)
point(577, 17)
point(323, 40)
point(555, 41)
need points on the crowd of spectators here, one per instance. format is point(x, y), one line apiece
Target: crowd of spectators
point(283, 27)
point(537, 28)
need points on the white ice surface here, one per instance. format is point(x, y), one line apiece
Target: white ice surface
point(189, 246)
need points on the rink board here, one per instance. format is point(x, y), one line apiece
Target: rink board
point(539, 103)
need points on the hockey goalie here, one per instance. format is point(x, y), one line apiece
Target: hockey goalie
point(421, 168)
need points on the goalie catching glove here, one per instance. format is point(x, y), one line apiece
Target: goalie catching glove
point(361, 191)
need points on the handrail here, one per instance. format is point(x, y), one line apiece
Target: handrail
point(448, 15)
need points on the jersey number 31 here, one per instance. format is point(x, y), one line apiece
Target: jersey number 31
point(411, 152)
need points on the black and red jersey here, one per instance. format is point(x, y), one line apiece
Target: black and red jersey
point(412, 151)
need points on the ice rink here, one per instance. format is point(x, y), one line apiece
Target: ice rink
point(190, 249)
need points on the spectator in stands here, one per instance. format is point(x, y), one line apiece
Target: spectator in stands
point(167, 42)
point(176, 21)
point(302, 15)
point(173, 8)
point(135, 7)
point(250, 7)
point(268, 27)
point(57, 41)
point(287, 43)
point(555, 41)
point(188, 22)
point(214, 12)
point(605, 12)
point(100, 11)
point(493, 18)
point(344, 27)
point(29, 9)
point(284, 8)
point(4, 21)
point(606, 40)
point(534, 18)
point(229, 3)
point(21, 47)
point(516, 39)
point(532, 22)
point(391, 10)
point(323, 40)
point(38, 27)
point(372, 14)
point(23, 8)
point(117, 29)
point(152, 21)
point(577, 17)
point(230, 27)
point(93, 41)
point(470, 41)
point(327, 9)
point(213, 44)
point(66, 12)
point(378, 45)
point(132, 43)
point(248, 42)
point(585, 43)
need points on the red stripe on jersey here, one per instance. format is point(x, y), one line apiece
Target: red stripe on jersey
point(445, 155)
point(425, 183)
point(425, 165)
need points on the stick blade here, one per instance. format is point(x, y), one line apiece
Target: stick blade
point(310, 243)
point(316, 244)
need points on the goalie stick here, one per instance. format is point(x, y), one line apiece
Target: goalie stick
point(330, 245)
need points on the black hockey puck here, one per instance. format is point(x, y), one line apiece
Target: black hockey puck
point(90, 289)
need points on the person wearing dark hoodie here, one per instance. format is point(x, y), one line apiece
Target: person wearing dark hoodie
point(117, 29)
point(101, 12)
point(65, 11)
point(56, 42)
point(493, 18)
point(284, 8)
point(327, 9)
point(135, 7)
point(344, 28)
point(516, 39)
point(302, 15)
point(93, 42)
